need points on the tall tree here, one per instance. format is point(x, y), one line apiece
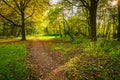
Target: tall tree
point(118, 20)
point(23, 8)
point(19, 7)
point(91, 6)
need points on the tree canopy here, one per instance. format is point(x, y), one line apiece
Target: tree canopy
point(91, 18)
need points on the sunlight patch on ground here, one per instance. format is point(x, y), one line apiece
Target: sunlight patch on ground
point(46, 37)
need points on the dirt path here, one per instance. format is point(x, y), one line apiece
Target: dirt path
point(45, 68)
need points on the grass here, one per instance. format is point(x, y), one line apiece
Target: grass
point(93, 61)
point(15, 39)
point(40, 37)
point(98, 61)
point(12, 61)
point(47, 37)
point(86, 60)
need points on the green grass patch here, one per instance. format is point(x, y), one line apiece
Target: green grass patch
point(12, 62)
point(47, 37)
point(29, 37)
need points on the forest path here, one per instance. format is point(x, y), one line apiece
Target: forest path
point(45, 68)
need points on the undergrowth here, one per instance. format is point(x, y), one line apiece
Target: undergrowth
point(12, 62)
point(93, 61)
point(98, 61)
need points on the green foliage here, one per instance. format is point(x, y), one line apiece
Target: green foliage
point(53, 14)
point(75, 26)
point(12, 62)
point(78, 24)
point(98, 61)
point(89, 66)
point(80, 39)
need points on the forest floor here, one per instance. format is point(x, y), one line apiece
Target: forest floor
point(44, 66)
point(59, 60)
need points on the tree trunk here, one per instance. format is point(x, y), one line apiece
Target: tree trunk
point(65, 31)
point(3, 33)
point(12, 30)
point(23, 27)
point(118, 20)
point(60, 32)
point(93, 9)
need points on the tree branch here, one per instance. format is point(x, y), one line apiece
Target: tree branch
point(11, 7)
point(32, 12)
point(17, 5)
point(97, 1)
point(9, 20)
point(72, 3)
point(85, 4)
point(26, 3)
point(30, 15)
